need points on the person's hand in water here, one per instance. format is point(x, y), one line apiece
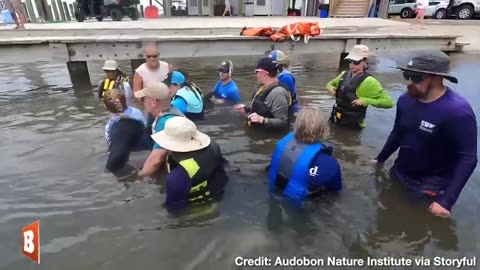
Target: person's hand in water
point(240, 108)
point(255, 118)
point(331, 90)
point(438, 210)
point(357, 102)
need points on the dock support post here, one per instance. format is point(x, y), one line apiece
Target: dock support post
point(135, 63)
point(72, 10)
point(55, 11)
point(211, 8)
point(67, 13)
point(30, 11)
point(167, 8)
point(199, 6)
point(342, 64)
point(241, 8)
point(79, 74)
point(49, 17)
point(141, 11)
point(61, 11)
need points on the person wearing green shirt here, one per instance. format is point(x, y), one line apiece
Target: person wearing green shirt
point(355, 89)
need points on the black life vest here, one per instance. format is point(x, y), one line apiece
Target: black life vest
point(206, 170)
point(344, 113)
point(258, 100)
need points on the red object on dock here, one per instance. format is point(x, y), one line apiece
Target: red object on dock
point(151, 12)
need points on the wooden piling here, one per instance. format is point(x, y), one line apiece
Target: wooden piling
point(67, 13)
point(60, 10)
point(31, 11)
point(72, 10)
point(211, 8)
point(199, 7)
point(49, 14)
point(142, 12)
point(55, 11)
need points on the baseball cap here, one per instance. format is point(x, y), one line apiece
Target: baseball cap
point(155, 90)
point(278, 57)
point(110, 65)
point(267, 64)
point(357, 53)
point(226, 66)
point(174, 77)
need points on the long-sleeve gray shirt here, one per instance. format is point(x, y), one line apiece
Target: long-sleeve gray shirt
point(277, 101)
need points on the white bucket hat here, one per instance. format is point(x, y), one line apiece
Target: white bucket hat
point(357, 53)
point(110, 65)
point(181, 135)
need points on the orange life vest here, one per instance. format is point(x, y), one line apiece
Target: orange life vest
point(296, 31)
point(257, 31)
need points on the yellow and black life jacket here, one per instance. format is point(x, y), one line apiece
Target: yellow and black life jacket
point(205, 169)
point(105, 85)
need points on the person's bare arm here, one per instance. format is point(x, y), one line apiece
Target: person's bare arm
point(170, 68)
point(137, 82)
point(154, 162)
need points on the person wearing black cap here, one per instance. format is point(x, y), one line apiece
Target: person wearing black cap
point(436, 132)
point(271, 104)
point(226, 89)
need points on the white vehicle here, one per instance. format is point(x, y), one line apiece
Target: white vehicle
point(404, 8)
point(437, 9)
point(465, 9)
point(462, 9)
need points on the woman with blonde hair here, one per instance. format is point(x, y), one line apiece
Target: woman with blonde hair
point(302, 165)
point(125, 132)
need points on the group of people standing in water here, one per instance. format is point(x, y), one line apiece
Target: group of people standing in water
point(435, 128)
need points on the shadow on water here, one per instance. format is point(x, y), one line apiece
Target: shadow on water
point(53, 170)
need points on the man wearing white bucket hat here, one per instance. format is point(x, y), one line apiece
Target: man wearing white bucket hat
point(355, 89)
point(195, 164)
point(115, 79)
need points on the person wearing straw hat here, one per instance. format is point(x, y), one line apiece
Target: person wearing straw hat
point(115, 78)
point(285, 76)
point(156, 101)
point(195, 164)
point(226, 89)
point(435, 130)
point(354, 90)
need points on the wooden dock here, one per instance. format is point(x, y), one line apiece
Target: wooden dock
point(203, 37)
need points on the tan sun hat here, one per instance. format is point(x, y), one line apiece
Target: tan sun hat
point(155, 90)
point(181, 135)
point(110, 65)
point(358, 52)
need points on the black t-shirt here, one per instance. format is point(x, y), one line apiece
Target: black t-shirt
point(125, 136)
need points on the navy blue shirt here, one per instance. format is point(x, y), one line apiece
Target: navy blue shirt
point(438, 145)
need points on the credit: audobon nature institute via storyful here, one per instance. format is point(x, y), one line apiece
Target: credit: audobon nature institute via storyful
point(339, 261)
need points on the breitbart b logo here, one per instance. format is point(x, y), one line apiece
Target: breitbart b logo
point(31, 241)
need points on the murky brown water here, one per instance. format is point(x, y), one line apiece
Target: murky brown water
point(53, 155)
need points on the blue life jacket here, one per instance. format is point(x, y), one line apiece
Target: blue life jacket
point(131, 113)
point(171, 111)
point(293, 92)
point(288, 72)
point(292, 160)
point(193, 98)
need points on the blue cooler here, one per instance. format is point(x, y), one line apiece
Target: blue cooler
point(7, 17)
point(324, 10)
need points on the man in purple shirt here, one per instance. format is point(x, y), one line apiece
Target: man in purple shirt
point(195, 164)
point(436, 132)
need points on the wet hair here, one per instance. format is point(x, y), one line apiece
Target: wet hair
point(115, 101)
point(310, 126)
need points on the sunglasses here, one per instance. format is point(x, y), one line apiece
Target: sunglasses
point(414, 77)
point(152, 56)
point(356, 63)
point(223, 71)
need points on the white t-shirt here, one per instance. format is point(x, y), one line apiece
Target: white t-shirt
point(422, 4)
